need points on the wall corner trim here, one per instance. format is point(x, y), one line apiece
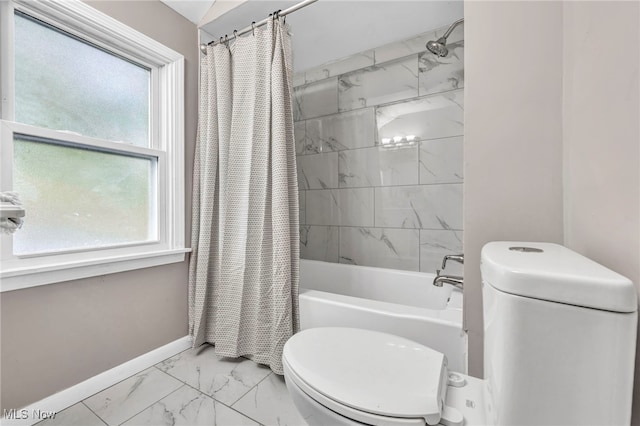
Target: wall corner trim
point(70, 396)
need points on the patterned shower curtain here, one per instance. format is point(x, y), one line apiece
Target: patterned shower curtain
point(243, 273)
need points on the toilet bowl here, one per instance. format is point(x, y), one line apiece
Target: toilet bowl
point(560, 336)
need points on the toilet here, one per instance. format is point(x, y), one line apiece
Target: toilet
point(559, 349)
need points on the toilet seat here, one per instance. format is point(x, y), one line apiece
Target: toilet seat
point(370, 377)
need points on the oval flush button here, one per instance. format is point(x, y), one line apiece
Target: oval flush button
point(526, 249)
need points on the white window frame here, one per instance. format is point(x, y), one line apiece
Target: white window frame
point(166, 135)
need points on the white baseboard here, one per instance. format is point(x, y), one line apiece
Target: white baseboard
point(68, 397)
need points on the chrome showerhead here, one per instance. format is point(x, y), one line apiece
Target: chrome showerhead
point(438, 47)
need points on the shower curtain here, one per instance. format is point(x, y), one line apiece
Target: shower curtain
point(243, 272)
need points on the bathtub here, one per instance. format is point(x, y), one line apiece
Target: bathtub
point(398, 302)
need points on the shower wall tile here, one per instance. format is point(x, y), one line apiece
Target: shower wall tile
point(434, 245)
point(316, 99)
point(300, 135)
point(369, 203)
point(419, 207)
point(441, 160)
point(298, 79)
point(385, 248)
point(436, 74)
point(302, 204)
point(378, 166)
point(319, 243)
point(318, 171)
point(388, 82)
point(347, 130)
point(322, 207)
point(340, 207)
point(432, 117)
point(402, 48)
point(341, 66)
point(415, 44)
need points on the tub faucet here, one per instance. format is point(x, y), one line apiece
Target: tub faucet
point(455, 257)
point(454, 280)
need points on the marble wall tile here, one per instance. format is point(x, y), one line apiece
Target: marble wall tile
point(298, 79)
point(385, 248)
point(315, 99)
point(404, 91)
point(436, 74)
point(319, 243)
point(121, 401)
point(270, 404)
point(415, 44)
point(378, 166)
point(225, 379)
point(318, 171)
point(432, 117)
point(340, 207)
point(403, 48)
point(322, 207)
point(441, 160)
point(188, 407)
point(434, 245)
point(77, 414)
point(300, 135)
point(419, 206)
point(302, 206)
point(348, 130)
point(388, 82)
point(341, 66)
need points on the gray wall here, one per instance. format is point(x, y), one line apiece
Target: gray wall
point(58, 335)
point(513, 136)
point(365, 199)
point(602, 138)
point(552, 139)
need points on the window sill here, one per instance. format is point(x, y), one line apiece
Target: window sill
point(17, 278)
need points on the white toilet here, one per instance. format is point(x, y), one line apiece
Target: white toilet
point(559, 349)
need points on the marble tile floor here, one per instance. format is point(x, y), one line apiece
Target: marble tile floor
point(195, 387)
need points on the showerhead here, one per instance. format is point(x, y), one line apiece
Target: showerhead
point(438, 47)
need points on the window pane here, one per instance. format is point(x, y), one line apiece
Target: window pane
point(79, 198)
point(65, 84)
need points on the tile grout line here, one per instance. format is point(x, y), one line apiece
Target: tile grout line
point(224, 403)
point(379, 145)
point(94, 413)
point(213, 398)
point(382, 104)
point(388, 186)
point(126, 378)
point(152, 404)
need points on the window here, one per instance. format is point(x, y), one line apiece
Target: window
point(92, 140)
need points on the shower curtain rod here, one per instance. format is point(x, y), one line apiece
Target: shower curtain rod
point(203, 46)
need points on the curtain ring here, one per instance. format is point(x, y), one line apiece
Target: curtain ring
point(221, 40)
point(253, 28)
point(235, 34)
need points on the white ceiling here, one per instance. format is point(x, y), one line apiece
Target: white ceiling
point(193, 10)
point(332, 29)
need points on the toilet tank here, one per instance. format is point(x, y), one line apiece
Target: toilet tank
point(560, 337)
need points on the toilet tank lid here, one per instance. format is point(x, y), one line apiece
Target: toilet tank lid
point(552, 272)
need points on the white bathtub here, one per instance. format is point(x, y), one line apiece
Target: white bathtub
point(398, 302)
